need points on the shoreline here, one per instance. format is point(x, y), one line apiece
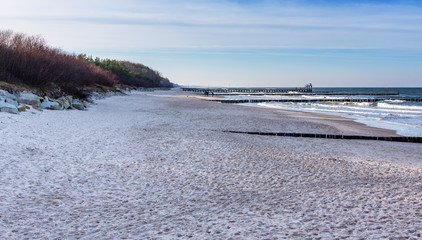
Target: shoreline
point(336, 120)
point(339, 121)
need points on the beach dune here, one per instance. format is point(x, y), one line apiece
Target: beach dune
point(160, 165)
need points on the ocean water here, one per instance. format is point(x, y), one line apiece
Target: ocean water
point(396, 113)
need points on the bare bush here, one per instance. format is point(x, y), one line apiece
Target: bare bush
point(28, 59)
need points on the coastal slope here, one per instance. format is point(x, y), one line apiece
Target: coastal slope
point(159, 165)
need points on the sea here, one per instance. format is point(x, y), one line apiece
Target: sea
point(395, 111)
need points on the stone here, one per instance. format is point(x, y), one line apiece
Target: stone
point(6, 94)
point(109, 94)
point(22, 108)
point(90, 100)
point(96, 95)
point(11, 101)
point(47, 104)
point(30, 99)
point(7, 107)
point(78, 104)
point(65, 102)
point(69, 98)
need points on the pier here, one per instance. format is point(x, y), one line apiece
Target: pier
point(306, 89)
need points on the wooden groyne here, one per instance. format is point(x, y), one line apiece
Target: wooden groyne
point(331, 136)
point(314, 100)
point(308, 94)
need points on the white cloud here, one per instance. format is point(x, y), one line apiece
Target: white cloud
point(220, 24)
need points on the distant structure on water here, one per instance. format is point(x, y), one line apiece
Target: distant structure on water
point(307, 88)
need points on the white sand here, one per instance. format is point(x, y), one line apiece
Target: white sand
point(157, 165)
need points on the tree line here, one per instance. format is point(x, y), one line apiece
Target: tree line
point(28, 60)
point(128, 73)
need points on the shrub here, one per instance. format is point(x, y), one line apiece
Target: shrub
point(28, 60)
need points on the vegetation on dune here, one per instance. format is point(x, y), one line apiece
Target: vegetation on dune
point(127, 73)
point(29, 61)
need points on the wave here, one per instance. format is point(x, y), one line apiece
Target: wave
point(395, 101)
point(405, 119)
point(406, 107)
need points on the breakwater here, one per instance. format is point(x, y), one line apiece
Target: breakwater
point(332, 136)
point(314, 100)
point(307, 94)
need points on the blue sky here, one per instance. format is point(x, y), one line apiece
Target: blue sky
point(239, 43)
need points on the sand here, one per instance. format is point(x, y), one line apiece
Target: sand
point(160, 166)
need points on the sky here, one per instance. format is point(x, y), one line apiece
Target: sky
point(239, 43)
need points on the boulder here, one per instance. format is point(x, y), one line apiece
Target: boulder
point(90, 100)
point(6, 94)
point(96, 95)
point(11, 101)
point(30, 99)
point(22, 108)
point(65, 102)
point(78, 104)
point(7, 107)
point(69, 98)
point(109, 94)
point(47, 104)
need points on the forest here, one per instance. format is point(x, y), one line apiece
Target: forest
point(28, 62)
point(127, 73)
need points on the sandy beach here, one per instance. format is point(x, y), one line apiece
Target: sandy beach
point(159, 165)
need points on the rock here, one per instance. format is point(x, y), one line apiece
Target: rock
point(6, 94)
point(7, 107)
point(65, 102)
point(22, 108)
point(109, 94)
point(11, 101)
point(47, 104)
point(78, 104)
point(69, 98)
point(90, 100)
point(30, 99)
point(96, 95)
